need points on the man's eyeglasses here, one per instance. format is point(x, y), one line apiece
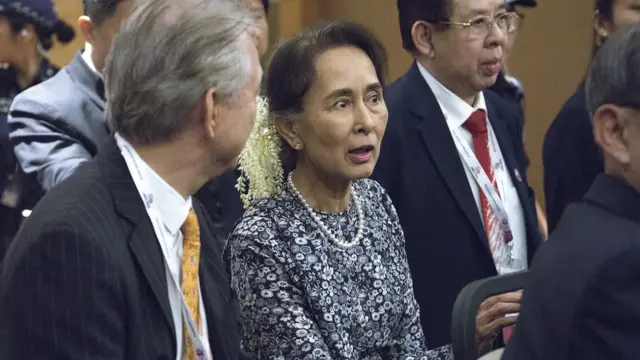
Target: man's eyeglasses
point(481, 26)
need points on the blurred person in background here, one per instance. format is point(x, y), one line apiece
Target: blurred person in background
point(59, 124)
point(511, 89)
point(27, 28)
point(506, 85)
point(452, 163)
point(570, 157)
point(119, 261)
point(582, 298)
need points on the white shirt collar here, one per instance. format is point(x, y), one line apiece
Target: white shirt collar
point(86, 56)
point(173, 208)
point(455, 110)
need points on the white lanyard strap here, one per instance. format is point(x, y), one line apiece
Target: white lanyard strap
point(503, 249)
point(489, 190)
point(139, 178)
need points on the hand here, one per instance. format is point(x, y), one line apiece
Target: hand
point(491, 318)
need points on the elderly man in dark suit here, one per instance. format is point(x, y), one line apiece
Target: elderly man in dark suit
point(119, 261)
point(60, 123)
point(583, 296)
point(451, 161)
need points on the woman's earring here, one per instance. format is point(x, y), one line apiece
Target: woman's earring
point(297, 146)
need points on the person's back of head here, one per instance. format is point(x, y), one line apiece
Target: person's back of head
point(185, 74)
point(613, 100)
point(609, 15)
point(100, 23)
point(457, 41)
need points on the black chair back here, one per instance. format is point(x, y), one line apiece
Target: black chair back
point(465, 309)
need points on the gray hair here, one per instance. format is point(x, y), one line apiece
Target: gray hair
point(614, 74)
point(165, 57)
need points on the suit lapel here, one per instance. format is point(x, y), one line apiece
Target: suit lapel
point(506, 148)
point(213, 283)
point(437, 138)
point(142, 241)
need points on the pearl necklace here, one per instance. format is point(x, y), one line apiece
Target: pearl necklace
point(323, 228)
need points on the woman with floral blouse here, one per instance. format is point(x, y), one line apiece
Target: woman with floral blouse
point(317, 262)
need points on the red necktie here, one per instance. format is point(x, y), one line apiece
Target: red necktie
point(477, 126)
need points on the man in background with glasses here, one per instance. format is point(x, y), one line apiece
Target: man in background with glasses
point(451, 162)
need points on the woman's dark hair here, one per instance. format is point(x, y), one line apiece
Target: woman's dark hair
point(605, 8)
point(17, 23)
point(292, 68)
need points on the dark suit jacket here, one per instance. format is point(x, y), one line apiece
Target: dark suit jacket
point(9, 216)
point(9, 88)
point(85, 276)
point(583, 296)
point(58, 125)
point(222, 201)
point(570, 157)
point(421, 169)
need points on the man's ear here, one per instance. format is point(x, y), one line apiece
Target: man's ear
point(86, 28)
point(288, 129)
point(422, 35)
point(210, 113)
point(610, 129)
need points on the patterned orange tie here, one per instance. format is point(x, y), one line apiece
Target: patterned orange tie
point(190, 289)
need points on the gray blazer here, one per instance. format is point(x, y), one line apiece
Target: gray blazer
point(58, 124)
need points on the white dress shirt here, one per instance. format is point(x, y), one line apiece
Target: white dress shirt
point(173, 211)
point(86, 56)
point(457, 111)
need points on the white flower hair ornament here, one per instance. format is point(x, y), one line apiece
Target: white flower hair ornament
point(259, 161)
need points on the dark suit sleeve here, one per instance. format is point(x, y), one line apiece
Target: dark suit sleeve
point(389, 165)
point(61, 300)
point(44, 146)
point(571, 161)
point(548, 301)
point(606, 323)
point(7, 161)
point(518, 137)
point(222, 201)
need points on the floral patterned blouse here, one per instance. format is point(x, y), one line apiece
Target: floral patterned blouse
point(302, 297)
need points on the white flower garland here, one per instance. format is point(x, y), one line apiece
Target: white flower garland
point(259, 161)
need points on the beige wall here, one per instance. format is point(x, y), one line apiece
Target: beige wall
point(550, 57)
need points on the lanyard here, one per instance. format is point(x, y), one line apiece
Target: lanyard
point(138, 174)
point(503, 250)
